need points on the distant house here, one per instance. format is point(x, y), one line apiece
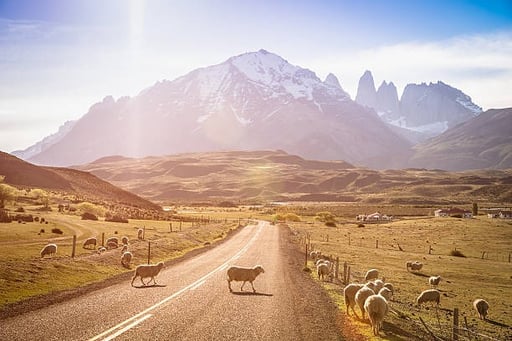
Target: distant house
point(453, 212)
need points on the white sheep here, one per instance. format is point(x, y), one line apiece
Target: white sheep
point(386, 293)
point(414, 266)
point(371, 274)
point(379, 284)
point(147, 271)
point(390, 287)
point(431, 295)
point(434, 280)
point(481, 306)
point(361, 296)
point(111, 245)
point(349, 293)
point(241, 274)
point(323, 270)
point(126, 258)
point(89, 241)
point(124, 240)
point(112, 240)
point(49, 249)
point(377, 308)
point(102, 249)
point(124, 249)
point(140, 234)
point(314, 255)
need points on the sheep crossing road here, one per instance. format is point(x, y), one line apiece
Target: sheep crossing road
point(192, 301)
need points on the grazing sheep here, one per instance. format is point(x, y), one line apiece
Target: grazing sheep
point(124, 240)
point(240, 274)
point(147, 271)
point(124, 249)
point(111, 245)
point(434, 280)
point(414, 266)
point(431, 295)
point(349, 292)
point(361, 296)
point(377, 308)
point(113, 240)
point(126, 258)
point(140, 234)
point(390, 287)
point(378, 285)
point(386, 293)
point(371, 274)
point(323, 270)
point(49, 249)
point(89, 241)
point(102, 249)
point(481, 306)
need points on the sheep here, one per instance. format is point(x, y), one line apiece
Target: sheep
point(414, 266)
point(361, 296)
point(111, 245)
point(323, 270)
point(377, 308)
point(390, 287)
point(124, 240)
point(147, 271)
point(89, 241)
point(349, 293)
point(431, 295)
point(378, 285)
point(49, 249)
point(371, 274)
point(434, 280)
point(124, 249)
point(386, 293)
point(481, 306)
point(140, 234)
point(102, 249)
point(314, 255)
point(113, 240)
point(371, 285)
point(241, 274)
point(126, 258)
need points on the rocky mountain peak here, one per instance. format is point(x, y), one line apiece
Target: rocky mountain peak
point(387, 100)
point(366, 93)
point(332, 80)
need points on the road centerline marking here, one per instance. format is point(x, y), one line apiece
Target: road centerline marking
point(146, 311)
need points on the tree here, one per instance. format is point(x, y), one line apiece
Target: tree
point(7, 193)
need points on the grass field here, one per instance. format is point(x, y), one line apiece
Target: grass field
point(24, 274)
point(463, 278)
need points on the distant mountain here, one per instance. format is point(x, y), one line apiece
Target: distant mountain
point(84, 185)
point(262, 176)
point(254, 101)
point(45, 143)
point(482, 142)
point(423, 111)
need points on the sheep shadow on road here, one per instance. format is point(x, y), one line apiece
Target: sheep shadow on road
point(150, 286)
point(249, 293)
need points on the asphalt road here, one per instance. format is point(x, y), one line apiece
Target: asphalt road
point(192, 301)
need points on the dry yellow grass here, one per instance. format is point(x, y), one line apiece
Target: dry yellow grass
point(463, 278)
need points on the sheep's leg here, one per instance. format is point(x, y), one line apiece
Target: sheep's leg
point(142, 280)
point(242, 287)
point(253, 290)
point(229, 286)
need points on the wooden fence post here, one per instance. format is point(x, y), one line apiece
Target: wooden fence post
point(306, 258)
point(102, 238)
point(74, 246)
point(149, 252)
point(345, 272)
point(455, 329)
point(376, 243)
point(170, 227)
point(337, 269)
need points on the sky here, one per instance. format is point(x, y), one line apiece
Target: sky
point(59, 57)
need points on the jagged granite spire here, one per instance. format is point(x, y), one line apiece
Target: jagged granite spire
point(366, 93)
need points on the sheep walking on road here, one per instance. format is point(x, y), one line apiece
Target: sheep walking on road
point(481, 307)
point(350, 296)
point(147, 271)
point(241, 274)
point(49, 249)
point(377, 308)
point(126, 258)
point(371, 274)
point(323, 270)
point(361, 296)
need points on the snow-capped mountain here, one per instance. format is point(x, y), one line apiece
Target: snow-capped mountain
point(256, 100)
point(423, 111)
point(45, 143)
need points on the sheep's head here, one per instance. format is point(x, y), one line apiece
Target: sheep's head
point(259, 269)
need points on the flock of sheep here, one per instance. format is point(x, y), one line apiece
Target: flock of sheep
point(374, 296)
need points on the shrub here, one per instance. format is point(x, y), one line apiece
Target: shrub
point(457, 253)
point(4, 217)
point(330, 223)
point(89, 216)
point(291, 217)
point(57, 230)
point(116, 219)
point(41, 231)
point(20, 210)
point(24, 217)
point(360, 225)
